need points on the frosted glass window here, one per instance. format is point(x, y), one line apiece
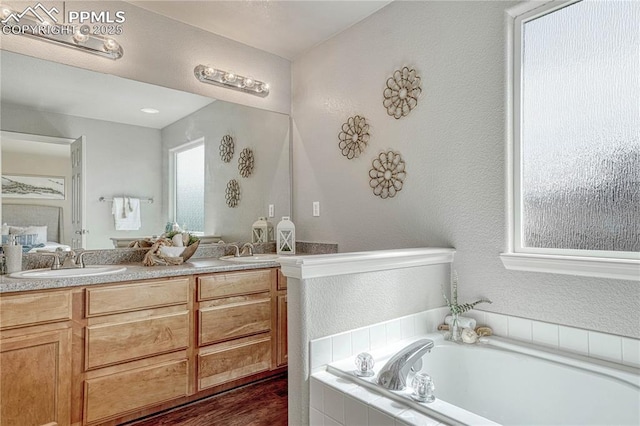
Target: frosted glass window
point(580, 128)
point(189, 188)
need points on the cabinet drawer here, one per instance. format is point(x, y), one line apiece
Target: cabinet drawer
point(231, 284)
point(220, 364)
point(135, 296)
point(29, 309)
point(117, 394)
point(235, 320)
point(123, 341)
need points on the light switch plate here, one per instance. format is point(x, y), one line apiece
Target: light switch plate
point(271, 210)
point(316, 208)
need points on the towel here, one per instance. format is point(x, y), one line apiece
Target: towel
point(126, 213)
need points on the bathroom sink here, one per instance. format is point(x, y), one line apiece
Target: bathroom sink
point(252, 259)
point(89, 271)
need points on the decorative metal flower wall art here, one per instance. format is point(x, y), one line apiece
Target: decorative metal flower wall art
point(226, 148)
point(354, 137)
point(245, 162)
point(387, 174)
point(232, 193)
point(402, 92)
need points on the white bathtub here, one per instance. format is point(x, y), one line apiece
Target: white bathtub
point(505, 382)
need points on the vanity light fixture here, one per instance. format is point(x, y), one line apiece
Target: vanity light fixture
point(80, 38)
point(231, 80)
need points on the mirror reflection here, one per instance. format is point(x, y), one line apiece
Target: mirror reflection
point(130, 158)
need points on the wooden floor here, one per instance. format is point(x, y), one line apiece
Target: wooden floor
point(259, 404)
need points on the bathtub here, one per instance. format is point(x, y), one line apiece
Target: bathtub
point(500, 381)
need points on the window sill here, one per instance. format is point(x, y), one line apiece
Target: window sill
point(619, 269)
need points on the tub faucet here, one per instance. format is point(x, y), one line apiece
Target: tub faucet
point(393, 375)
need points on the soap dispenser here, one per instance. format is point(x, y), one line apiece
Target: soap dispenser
point(13, 255)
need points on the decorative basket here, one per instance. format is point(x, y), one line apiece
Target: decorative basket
point(189, 251)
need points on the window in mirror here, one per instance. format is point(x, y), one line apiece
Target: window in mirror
point(188, 184)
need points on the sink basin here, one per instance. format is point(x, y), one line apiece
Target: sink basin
point(251, 259)
point(89, 271)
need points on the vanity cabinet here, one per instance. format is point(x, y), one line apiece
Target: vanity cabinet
point(281, 330)
point(235, 337)
point(35, 358)
point(110, 353)
point(128, 329)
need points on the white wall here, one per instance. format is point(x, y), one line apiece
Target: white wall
point(320, 307)
point(164, 52)
point(267, 135)
point(46, 165)
point(453, 145)
point(121, 160)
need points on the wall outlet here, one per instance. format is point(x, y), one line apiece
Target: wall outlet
point(316, 208)
point(271, 210)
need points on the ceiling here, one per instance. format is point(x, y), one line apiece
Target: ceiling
point(284, 28)
point(53, 87)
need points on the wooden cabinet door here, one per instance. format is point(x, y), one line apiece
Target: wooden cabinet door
point(114, 395)
point(282, 342)
point(129, 339)
point(229, 361)
point(35, 379)
point(235, 318)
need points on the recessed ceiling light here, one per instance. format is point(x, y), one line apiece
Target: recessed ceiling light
point(150, 110)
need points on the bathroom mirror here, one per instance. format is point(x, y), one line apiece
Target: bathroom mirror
point(45, 106)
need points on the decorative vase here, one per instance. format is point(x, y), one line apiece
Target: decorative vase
point(456, 330)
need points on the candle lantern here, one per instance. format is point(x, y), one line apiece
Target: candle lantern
point(286, 237)
point(262, 231)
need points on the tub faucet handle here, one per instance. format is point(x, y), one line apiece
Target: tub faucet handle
point(423, 388)
point(364, 365)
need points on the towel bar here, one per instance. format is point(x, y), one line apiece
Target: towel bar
point(142, 200)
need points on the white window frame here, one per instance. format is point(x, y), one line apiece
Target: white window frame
point(603, 264)
point(173, 152)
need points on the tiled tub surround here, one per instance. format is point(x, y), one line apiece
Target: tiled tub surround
point(331, 294)
point(336, 401)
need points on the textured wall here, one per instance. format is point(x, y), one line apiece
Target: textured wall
point(353, 301)
point(453, 145)
point(161, 51)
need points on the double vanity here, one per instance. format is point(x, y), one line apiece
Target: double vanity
point(105, 348)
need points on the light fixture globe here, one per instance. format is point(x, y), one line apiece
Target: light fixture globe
point(230, 80)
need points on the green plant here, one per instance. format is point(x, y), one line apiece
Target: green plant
point(454, 307)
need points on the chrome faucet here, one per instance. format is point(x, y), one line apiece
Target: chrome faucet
point(69, 261)
point(247, 249)
point(80, 258)
point(236, 249)
point(393, 375)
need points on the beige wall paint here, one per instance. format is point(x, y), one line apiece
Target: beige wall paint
point(454, 147)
